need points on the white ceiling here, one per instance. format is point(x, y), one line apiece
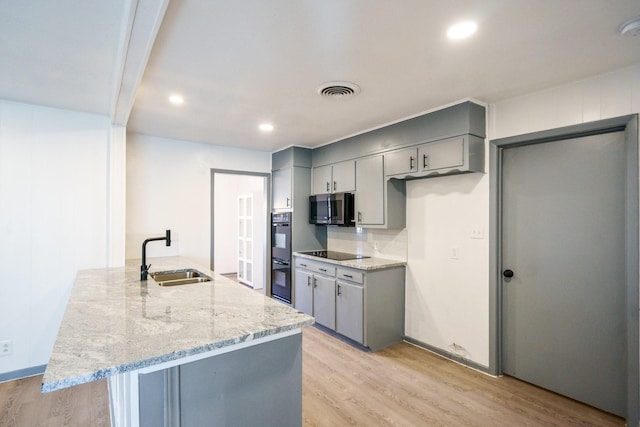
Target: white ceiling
point(239, 63)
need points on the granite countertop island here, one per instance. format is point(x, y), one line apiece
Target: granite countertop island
point(116, 324)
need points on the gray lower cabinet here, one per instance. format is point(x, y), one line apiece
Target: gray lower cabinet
point(303, 291)
point(366, 306)
point(324, 300)
point(350, 310)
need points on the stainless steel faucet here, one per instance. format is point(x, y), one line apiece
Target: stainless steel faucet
point(144, 268)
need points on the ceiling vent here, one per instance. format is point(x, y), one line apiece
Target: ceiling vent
point(338, 89)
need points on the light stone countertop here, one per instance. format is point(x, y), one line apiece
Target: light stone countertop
point(360, 264)
point(115, 323)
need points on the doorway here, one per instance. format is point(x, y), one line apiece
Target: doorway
point(239, 226)
point(565, 251)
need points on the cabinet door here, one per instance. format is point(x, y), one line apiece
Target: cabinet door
point(324, 301)
point(443, 154)
point(401, 161)
point(322, 180)
point(304, 292)
point(370, 191)
point(282, 189)
point(344, 177)
point(349, 311)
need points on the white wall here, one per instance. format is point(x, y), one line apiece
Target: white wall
point(388, 244)
point(169, 187)
point(610, 95)
point(53, 220)
point(227, 189)
point(447, 299)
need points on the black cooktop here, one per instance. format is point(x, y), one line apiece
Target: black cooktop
point(337, 256)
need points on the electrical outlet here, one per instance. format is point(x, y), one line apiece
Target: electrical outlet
point(6, 348)
point(477, 233)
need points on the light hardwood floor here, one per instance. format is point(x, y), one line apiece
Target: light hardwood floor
point(401, 385)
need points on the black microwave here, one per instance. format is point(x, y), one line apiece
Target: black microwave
point(331, 209)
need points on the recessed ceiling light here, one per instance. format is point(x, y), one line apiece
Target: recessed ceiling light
point(631, 28)
point(462, 30)
point(176, 99)
point(266, 127)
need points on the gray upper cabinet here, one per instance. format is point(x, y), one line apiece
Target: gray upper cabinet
point(450, 156)
point(441, 154)
point(379, 203)
point(282, 189)
point(321, 179)
point(335, 178)
point(401, 161)
point(369, 203)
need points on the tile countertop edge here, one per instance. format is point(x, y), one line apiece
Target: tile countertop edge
point(90, 294)
point(371, 263)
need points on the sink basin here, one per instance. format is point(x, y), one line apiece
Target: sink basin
point(179, 277)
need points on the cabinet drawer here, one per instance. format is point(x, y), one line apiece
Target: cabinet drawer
point(327, 269)
point(350, 275)
point(303, 263)
point(316, 267)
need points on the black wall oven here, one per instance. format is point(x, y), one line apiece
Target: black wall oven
point(281, 256)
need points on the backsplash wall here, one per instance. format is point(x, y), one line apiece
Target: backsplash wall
point(389, 244)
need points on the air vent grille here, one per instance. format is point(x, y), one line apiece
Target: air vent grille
point(338, 89)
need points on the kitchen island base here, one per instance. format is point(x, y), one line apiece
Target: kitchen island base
point(254, 383)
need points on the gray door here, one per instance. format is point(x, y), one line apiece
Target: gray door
point(563, 213)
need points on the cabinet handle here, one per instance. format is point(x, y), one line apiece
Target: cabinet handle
point(334, 186)
point(288, 202)
point(339, 292)
point(425, 161)
point(308, 280)
point(411, 160)
point(328, 188)
point(323, 269)
point(359, 216)
point(303, 265)
point(348, 275)
point(315, 282)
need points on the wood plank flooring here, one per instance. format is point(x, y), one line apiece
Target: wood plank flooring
point(343, 385)
point(403, 385)
point(22, 405)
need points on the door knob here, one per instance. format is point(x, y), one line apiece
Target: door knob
point(508, 273)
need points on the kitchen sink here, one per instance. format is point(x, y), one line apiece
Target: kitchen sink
point(179, 277)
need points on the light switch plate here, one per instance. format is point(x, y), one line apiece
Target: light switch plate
point(455, 252)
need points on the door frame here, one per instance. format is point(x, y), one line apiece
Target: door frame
point(267, 239)
point(629, 125)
